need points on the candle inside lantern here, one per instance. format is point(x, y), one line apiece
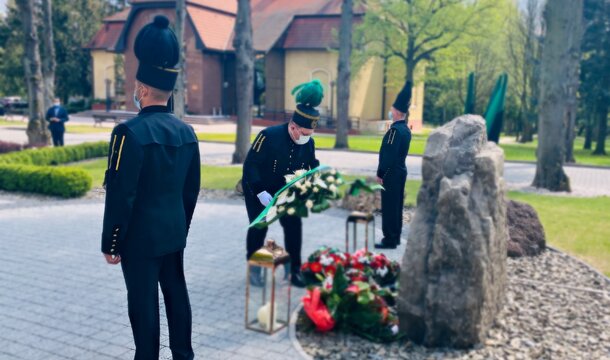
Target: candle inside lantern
point(264, 316)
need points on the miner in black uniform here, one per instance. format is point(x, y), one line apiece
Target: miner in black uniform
point(392, 170)
point(277, 151)
point(152, 184)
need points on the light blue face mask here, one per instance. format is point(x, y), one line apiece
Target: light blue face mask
point(136, 102)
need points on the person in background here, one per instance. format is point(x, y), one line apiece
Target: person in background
point(392, 170)
point(57, 116)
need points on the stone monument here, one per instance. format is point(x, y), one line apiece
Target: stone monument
point(453, 277)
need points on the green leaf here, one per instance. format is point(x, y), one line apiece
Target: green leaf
point(340, 281)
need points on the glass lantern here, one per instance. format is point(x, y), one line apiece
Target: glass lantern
point(359, 227)
point(268, 305)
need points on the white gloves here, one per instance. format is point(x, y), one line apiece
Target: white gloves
point(264, 197)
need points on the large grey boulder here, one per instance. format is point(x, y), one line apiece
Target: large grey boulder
point(453, 276)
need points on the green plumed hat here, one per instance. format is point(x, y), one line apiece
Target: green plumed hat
point(308, 96)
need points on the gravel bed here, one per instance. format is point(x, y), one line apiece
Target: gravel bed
point(555, 308)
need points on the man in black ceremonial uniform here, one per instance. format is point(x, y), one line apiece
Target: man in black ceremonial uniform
point(277, 151)
point(152, 184)
point(392, 170)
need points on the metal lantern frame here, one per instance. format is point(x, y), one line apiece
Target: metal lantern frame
point(271, 256)
point(355, 218)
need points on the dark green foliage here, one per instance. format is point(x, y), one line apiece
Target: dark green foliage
point(57, 155)
point(56, 181)
point(32, 171)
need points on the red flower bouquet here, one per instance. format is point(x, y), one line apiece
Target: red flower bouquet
point(346, 293)
point(317, 311)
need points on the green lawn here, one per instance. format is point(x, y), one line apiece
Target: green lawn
point(371, 143)
point(579, 226)
point(70, 128)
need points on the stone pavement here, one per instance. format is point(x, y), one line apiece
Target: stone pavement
point(60, 300)
point(585, 181)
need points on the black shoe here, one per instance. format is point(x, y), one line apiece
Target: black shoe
point(385, 246)
point(297, 280)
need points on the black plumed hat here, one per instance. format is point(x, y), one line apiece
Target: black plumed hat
point(158, 52)
point(403, 100)
point(308, 95)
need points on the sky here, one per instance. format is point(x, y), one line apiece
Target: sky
point(2, 7)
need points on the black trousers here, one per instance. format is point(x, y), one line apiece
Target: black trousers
point(142, 277)
point(58, 137)
point(392, 202)
point(293, 233)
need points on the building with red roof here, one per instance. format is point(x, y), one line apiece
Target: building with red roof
point(294, 42)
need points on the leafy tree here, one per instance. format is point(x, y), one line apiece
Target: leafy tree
point(595, 76)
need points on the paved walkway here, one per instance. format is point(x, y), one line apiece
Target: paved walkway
point(519, 176)
point(60, 300)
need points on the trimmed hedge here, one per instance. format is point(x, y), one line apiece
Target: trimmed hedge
point(32, 171)
point(56, 155)
point(57, 181)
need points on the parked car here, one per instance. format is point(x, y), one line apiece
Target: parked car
point(14, 105)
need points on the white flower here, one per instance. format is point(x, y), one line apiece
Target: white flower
point(309, 204)
point(332, 188)
point(326, 260)
point(280, 209)
point(330, 179)
point(394, 329)
point(291, 211)
point(303, 190)
point(289, 178)
point(316, 189)
point(328, 283)
point(364, 260)
point(271, 214)
point(333, 172)
point(341, 255)
point(300, 172)
point(282, 198)
point(320, 183)
point(382, 271)
point(307, 184)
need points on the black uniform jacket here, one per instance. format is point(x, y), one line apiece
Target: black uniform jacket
point(394, 150)
point(152, 184)
point(60, 113)
point(273, 154)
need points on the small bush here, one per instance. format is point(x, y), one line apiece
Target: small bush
point(32, 171)
point(57, 181)
point(6, 147)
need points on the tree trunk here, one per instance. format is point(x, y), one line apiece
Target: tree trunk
point(563, 20)
point(37, 131)
point(344, 70)
point(570, 134)
point(244, 79)
point(588, 133)
point(602, 129)
point(179, 93)
point(48, 54)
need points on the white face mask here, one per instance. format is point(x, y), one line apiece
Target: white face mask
point(136, 101)
point(303, 139)
point(56, 104)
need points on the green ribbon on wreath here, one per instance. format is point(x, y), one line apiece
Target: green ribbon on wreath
point(260, 219)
